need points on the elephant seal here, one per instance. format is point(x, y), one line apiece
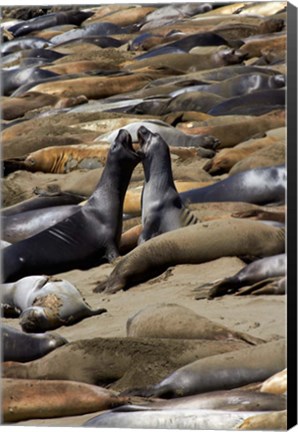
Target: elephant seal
point(194, 244)
point(40, 202)
point(49, 20)
point(276, 384)
point(23, 225)
point(24, 43)
point(171, 135)
point(161, 205)
point(267, 421)
point(22, 347)
point(95, 29)
point(256, 103)
point(189, 62)
point(228, 400)
point(14, 78)
point(13, 108)
point(167, 419)
point(29, 399)
point(222, 372)
point(176, 321)
point(99, 224)
point(45, 303)
point(256, 186)
point(134, 355)
point(63, 159)
point(226, 158)
point(251, 274)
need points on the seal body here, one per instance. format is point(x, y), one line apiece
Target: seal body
point(194, 244)
point(161, 204)
point(224, 371)
point(86, 237)
point(45, 303)
point(257, 186)
point(262, 269)
point(22, 347)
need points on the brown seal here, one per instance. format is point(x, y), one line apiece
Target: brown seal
point(189, 62)
point(276, 420)
point(193, 245)
point(276, 384)
point(235, 132)
point(29, 399)
point(97, 87)
point(119, 362)
point(226, 158)
point(167, 320)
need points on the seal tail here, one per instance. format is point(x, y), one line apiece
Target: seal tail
point(99, 311)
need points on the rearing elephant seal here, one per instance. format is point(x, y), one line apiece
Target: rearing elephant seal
point(45, 303)
point(88, 236)
point(161, 204)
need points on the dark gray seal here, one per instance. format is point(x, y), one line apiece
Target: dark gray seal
point(45, 303)
point(22, 347)
point(96, 29)
point(255, 103)
point(14, 78)
point(161, 205)
point(253, 273)
point(87, 237)
point(256, 186)
point(50, 20)
point(222, 372)
point(24, 43)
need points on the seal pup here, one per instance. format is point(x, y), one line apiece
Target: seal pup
point(22, 347)
point(251, 274)
point(161, 205)
point(29, 399)
point(194, 244)
point(45, 303)
point(49, 20)
point(87, 237)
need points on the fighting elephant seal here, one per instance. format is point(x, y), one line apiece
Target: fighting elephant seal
point(98, 223)
point(194, 244)
point(29, 399)
point(222, 372)
point(161, 205)
point(262, 269)
point(22, 347)
point(176, 321)
point(45, 303)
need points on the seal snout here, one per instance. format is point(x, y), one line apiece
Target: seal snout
point(143, 134)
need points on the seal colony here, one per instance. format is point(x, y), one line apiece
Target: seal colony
point(144, 156)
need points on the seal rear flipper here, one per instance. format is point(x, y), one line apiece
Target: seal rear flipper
point(266, 286)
